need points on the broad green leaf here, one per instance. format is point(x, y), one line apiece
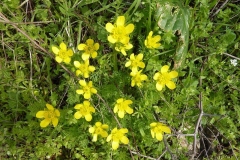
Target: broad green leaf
point(173, 16)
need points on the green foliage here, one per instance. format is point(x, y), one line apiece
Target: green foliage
point(198, 38)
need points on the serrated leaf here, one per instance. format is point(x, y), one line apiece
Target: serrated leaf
point(173, 16)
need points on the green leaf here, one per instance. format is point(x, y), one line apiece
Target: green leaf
point(173, 16)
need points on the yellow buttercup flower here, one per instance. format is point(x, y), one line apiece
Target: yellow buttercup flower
point(123, 47)
point(137, 78)
point(152, 42)
point(87, 89)
point(83, 68)
point(135, 62)
point(118, 136)
point(159, 129)
point(98, 129)
point(119, 32)
point(62, 54)
point(84, 110)
point(90, 49)
point(122, 106)
point(164, 77)
point(50, 115)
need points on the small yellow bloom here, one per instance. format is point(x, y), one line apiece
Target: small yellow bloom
point(152, 42)
point(117, 136)
point(83, 68)
point(119, 32)
point(122, 106)
point(90, 49)
point(164, 78)
point(135, 62)
point(98, 129)
point(137, 78)
point(62, 54)
point(86, 89)
point(50, 116)
point(123, 48)
point(84, 110)
point(158, 129)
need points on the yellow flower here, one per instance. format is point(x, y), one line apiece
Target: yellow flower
point(90, 49)
point(62, 54)
point(158, 129)
point(122, 106)
point(135, 62)
point(164, 78)
point(137, 78)
point(50, 116)
point(87, 89)
point(123, 47)
point(84, 110)
point(83, 68)
point(117, 136)
point(119, 32)
point(98, 129)
point(152, 42)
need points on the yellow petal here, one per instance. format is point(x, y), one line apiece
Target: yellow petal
point(120, 114)
point(67, 60)
point(156, 75)
point(111, 39)
point(139, 56)
point(166, 129)
point(115, 109)
point(40, 114)
point(141, 65)
point(109, 27)
point(77, 115)
point(85, 56)
point(57, 113)
point(150, 34)
point(159, 136)
point(88, 117)
point(115, 145)
point(55, 50)
point(81, 46)
point(44, 123)
point(171, 85)
point(79, 91)
point(124, 130)
point(124, 140)
point(96, 46)
point(105, 126)
point(164, 69)
point(109, 138)
point(63, 46)
point(94, 138)
point(153, 124)
point(159, 86)
point(90, 42)
point(104, 134)
point(129, 28)
point(82, 83)
point(98, 124)
point(58, 59)
point(55, 122)
point(120, 100)
point(91, 129)
point(93, 90)
point(78, 106)
point(50, 107)
point(157, 38)
point(87, 95)
point(152, 133)
point(91, 68)
point(69, 52)
point(128, 64)
point(94, 55)
point(77, 64)
point(129, 110)
point(120, 21)
point(173, 74)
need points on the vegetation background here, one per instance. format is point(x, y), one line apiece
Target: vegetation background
point(200, 39)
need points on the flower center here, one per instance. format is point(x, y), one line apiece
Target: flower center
point(118, 32)
point(89, 49)
point(163, 78)
point(49, 114)
point(62, 54)
point(98, 130)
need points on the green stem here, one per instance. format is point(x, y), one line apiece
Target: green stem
point(115, 60)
